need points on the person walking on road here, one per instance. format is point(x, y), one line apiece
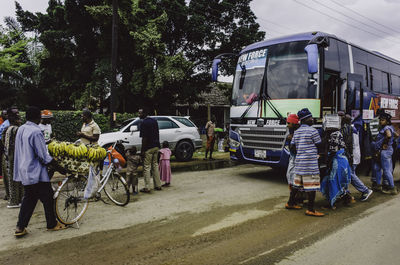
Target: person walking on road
point(30, 167)
point(90, 131)
point(210, 132)
point(15, 189)
point(304, 143)
point(355, 180)
point(150, 146)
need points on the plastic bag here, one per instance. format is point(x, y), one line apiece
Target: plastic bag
point(92, 184)
point(117, 155)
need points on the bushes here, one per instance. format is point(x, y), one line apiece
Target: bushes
point(67, 123)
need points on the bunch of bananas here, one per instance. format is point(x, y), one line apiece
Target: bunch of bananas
point(80, 152)
point(96, 153)
point(77, 151)
point(57, 149)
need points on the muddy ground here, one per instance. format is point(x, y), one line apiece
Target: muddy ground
point(225, 216)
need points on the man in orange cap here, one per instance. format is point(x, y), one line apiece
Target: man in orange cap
point(45, 124)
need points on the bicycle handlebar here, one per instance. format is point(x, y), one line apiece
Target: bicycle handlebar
point(118, 142)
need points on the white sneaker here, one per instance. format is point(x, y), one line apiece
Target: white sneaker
point(9, 206)
point(366, 195)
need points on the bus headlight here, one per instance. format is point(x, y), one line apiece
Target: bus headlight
point(233, 143)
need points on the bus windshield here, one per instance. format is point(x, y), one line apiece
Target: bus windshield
point(287, 73)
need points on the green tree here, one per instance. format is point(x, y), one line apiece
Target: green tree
point(165, 49)
point(217, 27)
point(13, 45)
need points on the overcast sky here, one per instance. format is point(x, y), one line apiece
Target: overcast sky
point(372, 24)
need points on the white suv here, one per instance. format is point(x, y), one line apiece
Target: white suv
point(180, 132)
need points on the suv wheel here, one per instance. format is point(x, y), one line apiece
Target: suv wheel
point(184, 151)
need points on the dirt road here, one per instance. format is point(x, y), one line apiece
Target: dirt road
point(226, 216)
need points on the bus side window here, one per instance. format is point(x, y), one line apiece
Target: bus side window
point(332, 56)
point(344, 58)
point(385, 82)
point(395, 80)
point(362, 69)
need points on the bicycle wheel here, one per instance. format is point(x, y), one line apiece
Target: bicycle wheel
point(116, 189)
point(70, 205)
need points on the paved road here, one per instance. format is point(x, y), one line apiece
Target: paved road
point(225, 216)
point(369, 241)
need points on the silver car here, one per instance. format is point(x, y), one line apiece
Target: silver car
point(180, 132)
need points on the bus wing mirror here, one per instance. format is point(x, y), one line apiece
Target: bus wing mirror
point(214, 73)
point(312, 58)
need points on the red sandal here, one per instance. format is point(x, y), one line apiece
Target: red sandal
point(314, 213)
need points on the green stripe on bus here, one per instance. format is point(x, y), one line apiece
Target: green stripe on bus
point(288, 106)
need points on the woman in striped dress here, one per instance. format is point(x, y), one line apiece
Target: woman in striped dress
point(305, 141)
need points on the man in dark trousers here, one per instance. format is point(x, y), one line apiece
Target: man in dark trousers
point(150, 147)
point(30, 167)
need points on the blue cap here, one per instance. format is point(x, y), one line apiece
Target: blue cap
point(303, 114)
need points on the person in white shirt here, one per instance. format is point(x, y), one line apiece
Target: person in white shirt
point(45, 125)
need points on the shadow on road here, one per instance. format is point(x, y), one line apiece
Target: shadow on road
point(269, 174)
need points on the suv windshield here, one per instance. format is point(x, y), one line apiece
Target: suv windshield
point(287, 75)
point(124, 123)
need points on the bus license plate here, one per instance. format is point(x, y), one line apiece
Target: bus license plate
point(260, 153)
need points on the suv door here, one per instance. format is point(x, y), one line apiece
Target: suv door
point(132, 137)
point(169, 131)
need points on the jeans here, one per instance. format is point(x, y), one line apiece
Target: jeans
point(150, 168)
point(386, 167)
point(373, 177)
point(356, 182)
point(32, 193)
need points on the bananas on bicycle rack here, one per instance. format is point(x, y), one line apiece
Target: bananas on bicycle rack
point(76, 157)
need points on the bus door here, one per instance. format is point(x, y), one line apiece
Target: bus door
point(330, 93)
point(354, 94)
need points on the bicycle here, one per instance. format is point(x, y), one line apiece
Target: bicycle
point(70, 203)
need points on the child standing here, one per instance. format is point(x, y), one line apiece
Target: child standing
point(165, 166)
point(133, 161)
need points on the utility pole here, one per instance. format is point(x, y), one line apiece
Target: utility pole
point(114, 51)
